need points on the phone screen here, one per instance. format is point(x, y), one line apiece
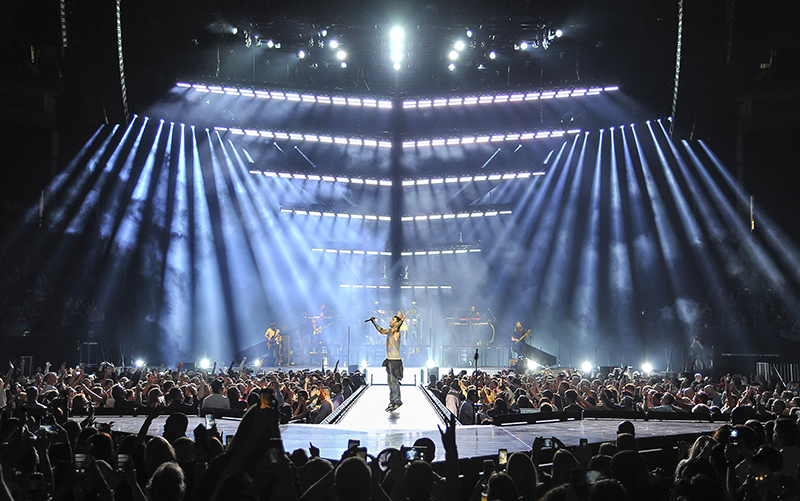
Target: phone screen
point(80, 462)
point(275, 449)
point(122, 461)
point(548, 442)
point(415, 453)
point(362, 453)
point(210, 421)
point(266, 398)
point(353, 443)
point(502, 457)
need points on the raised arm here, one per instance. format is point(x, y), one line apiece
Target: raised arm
point(378, 327)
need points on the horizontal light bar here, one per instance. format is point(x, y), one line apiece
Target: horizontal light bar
point(460, 215)
point(326, 178)
point(279, 95)
point(376, 143)
point(337, 215)
point(417, 287)
point(505, 98)
point(468, 179)
point(371, 102)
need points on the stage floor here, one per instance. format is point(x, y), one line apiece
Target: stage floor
point(376, 429)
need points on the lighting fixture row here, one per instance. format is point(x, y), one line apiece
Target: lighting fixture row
point(310, 98)
point(407, 182)
point(372, 217)
point(415, 287)
point(419, 143)
point(489, 138)
point(279, 95)
point(313, 138)
point(446, 252)
point(507, 98)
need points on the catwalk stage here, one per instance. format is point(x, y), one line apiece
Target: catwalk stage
point(376, 429)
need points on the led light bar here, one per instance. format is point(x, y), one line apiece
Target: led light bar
point(506, 98)
point(336, 215)
point(417, 253)
point(406, 182)
point(417, 287)
point(279, 95)
point(405, 219)
point(488, 138)
point(329, 179)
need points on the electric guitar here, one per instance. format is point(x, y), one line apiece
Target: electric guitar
point(274, 340)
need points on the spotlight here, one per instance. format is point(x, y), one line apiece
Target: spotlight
point(646, 367)
point(469, 33)
point(301, 54)
point(323, 33)
point(343, 64)
point(431, 363)
point(532, 365)
point(559, 33)
point(396, 66)
point(523, 46)
point(451, 67)
point(586, 367)
point(453, 55)
point(364, 363)
point(459, 45)
point(493, 55)
point(205, 363)
point(139, 362)
point(397, 33)
point(270, 44)
point(234, 30)
point(334, 44)
point(259, 362)
point(341, 55)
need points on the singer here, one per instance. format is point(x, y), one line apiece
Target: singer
point(393, 362)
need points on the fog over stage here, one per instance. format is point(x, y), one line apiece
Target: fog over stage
point(190, 241)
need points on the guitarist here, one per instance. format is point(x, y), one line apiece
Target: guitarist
point(518, 344)
point(273, 336)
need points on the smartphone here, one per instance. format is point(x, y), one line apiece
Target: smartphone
point(584, 443)
point(122, 461)
point(275, 450)
point(502, 457)
point(734, 436)
point(353, 443)
point(415, 453)
point(583, 480)
point(228, 440)
point(548, 442)
point(361, 452)
point(267, 396)
point(210, 421)
point(81, 460)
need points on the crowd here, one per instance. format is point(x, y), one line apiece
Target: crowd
point(53, 446)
